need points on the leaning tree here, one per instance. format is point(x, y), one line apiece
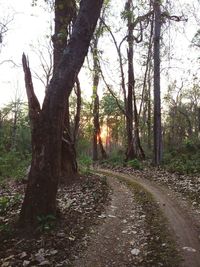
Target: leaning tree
point(47, 122)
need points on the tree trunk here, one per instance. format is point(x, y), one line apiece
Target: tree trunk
point(69, 167)
point(97, 131)
point(149, 126)
point(78, 111)
point(65, 14)
point(157, 101)
point(14, 127)
point(134, 146)
point(199, 121)
point(48, 122)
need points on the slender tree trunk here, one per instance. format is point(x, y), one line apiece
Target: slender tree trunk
point(149, 120)
point(48, 122)
point(199, 121)
point(97, 131)
point(78, 111)
point(157, 100)
point(134, 145)
point(14, 128)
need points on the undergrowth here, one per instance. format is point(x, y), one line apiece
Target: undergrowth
point(13, 165)
point(185, 160)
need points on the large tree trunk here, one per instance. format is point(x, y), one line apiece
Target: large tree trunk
point(65, 15)
point(69, 167)
point(157, 101)
point(48, 122)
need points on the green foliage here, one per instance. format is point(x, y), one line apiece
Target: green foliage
point(186, 160)
point(15, 143)
point(5, 229)
point(135, 163)
point(13, 164)
point(116, 158)
point(4, 204)
point(46, 223)
point(85, 162)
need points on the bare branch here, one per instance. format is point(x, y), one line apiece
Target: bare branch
point(34, 105)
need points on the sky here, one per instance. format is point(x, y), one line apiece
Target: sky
point(27, 28)
point(30, 25)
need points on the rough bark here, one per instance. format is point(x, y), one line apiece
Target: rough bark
point(157, 101)
point(48, 122)
point(65, 15)
point(134, 149)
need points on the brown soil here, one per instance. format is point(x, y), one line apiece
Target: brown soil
point(110, 244)
point(182, 224)
point(52, 244)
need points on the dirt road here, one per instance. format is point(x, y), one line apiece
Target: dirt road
point(183, 226)
point(111, 242)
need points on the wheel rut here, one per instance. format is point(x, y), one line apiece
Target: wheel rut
point(184, 227)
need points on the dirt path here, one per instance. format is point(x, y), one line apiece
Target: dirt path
point(113, 240)
point(181, 223)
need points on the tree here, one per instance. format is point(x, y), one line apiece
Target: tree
point(48, 122)
point(114, 120)
point(96, 76)
point(159, 18)
point(134, 149)
point(157, 100)
point(65, 17)
point(4, 27)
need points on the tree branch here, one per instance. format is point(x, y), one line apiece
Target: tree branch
point(34, 105)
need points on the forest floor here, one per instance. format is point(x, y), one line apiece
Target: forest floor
point(123, 217)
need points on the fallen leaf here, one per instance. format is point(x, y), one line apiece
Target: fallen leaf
point(189, 249)
point(26, 263)
point(135, 252)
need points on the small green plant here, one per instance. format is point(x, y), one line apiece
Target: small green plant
point(85, 163)
point(134, 163)
point(46, 222)
point(5, 229)
point(4, 204)
point(116, 158)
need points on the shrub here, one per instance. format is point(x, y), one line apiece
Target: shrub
point(135, 163)
point(4, 204)
point(84, 163)
point(116, 158)
point(13, 164)
point(183, 163)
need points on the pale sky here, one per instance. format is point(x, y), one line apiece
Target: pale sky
point(28, 26)
point(31, 24)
